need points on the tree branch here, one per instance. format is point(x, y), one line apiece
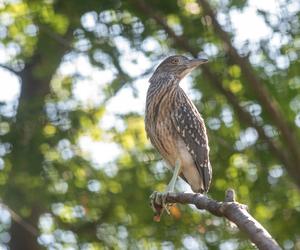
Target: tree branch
point(231, 210)
point(18, 219)
point(10, 69)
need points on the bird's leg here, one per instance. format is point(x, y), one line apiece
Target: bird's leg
point(171, 185)
point(158, 200)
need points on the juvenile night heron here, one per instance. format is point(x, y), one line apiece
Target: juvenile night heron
point(175, 127)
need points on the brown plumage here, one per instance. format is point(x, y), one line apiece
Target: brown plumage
point(174, 125)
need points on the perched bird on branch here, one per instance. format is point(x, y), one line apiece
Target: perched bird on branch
point(175, 127)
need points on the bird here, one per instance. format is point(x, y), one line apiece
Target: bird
point(175, 127)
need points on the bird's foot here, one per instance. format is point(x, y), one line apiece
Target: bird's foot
point(159, 204)
point(158, 199)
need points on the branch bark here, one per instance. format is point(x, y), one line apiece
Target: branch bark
point(231, 210)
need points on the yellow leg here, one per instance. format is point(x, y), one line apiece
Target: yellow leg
point(171, 185)
point(160, 198)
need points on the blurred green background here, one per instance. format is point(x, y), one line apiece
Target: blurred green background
point(76, 168)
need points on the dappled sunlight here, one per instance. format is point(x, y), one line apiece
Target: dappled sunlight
point(76, 166)
point(9, 86)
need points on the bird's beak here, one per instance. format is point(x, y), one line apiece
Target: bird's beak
point(202, 58)
point(193, 63)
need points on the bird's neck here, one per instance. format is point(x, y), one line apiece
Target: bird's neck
point(160, 86)
point(163, 80)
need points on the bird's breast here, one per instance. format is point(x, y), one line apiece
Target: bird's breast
point(159, 125)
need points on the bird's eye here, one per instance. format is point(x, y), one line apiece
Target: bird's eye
point(175, 61)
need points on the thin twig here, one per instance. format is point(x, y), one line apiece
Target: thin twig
point(10, 69)
point(19, 220)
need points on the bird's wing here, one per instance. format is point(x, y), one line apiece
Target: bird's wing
point(190, 126)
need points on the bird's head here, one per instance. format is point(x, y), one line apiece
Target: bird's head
point(178, 66)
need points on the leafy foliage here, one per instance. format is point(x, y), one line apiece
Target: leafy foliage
point(48, 178)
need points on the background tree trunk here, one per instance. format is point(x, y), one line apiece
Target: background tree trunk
point(27, 136)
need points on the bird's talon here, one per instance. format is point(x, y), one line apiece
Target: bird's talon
point(164, 203)
point(158, 203)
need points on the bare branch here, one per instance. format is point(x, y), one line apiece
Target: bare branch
point(19, 220)
point(231, 210)
point(10, 69)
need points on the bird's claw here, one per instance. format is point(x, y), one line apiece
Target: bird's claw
point(158, 204)
point(158, 199)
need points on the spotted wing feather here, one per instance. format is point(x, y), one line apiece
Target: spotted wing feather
point(190, 126)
